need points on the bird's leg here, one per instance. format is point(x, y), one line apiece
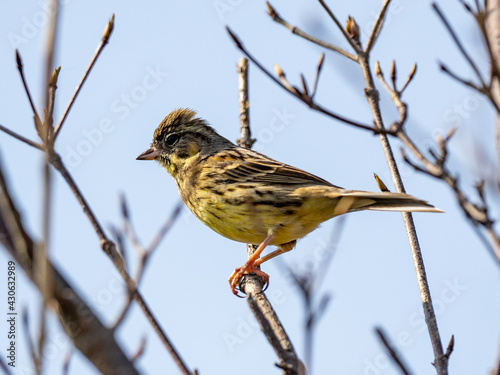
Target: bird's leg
point(250, 266)
point(283, 248)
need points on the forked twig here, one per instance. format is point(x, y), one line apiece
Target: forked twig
point(459, 45)
point(307, 100)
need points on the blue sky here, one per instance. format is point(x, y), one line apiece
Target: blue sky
point(165, 55)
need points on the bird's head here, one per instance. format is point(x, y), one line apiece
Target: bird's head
point(180, 137)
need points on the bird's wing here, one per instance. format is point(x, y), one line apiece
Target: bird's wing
point(250, 166)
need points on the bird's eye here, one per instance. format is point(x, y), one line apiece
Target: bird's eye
point(172, 139)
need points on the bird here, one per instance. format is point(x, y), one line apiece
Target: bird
point(248, 197)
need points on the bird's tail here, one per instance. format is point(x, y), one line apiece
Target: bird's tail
point(352, 200)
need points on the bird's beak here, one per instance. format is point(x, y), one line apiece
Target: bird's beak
point(150, 154)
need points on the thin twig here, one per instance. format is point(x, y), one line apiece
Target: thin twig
point(409, 78)
point(105, 38)
point(20, 68)
point(377, 27)
point(458, 43)
point(479, 216)
point(392, 351)
point(482, 90)
point(22, 139)
point(318, 72)
point(295, 30)
point(395, 96)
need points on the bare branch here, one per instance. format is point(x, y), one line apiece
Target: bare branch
point(271, 326)
point(306, 100)
point(246, 139)
point(395, 96)
point(459, 43)
point(21, 138)
point(478, 215)
point(463, 81)
point(295, 30)
point(372, 96)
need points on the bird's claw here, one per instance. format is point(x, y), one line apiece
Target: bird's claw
point(246, 269)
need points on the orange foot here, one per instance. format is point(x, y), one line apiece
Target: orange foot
point(248, 267)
